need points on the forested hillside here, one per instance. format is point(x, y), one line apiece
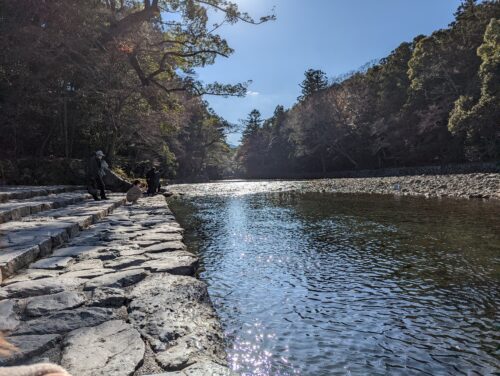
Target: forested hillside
point(433, 100)
point(116, 75)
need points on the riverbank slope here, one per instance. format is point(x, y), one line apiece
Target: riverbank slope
point(115, 293)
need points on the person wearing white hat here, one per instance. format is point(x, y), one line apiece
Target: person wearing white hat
point(96, 172)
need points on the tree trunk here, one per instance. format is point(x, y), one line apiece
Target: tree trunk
point(347, 156)
point(65, 127)
point(41, 150)
point(323, 163)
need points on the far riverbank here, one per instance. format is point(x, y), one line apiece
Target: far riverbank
point(479, 185)
point(470, 186)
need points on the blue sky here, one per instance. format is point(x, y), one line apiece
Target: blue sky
point(335, 36)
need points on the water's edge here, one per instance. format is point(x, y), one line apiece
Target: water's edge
point(470, 186)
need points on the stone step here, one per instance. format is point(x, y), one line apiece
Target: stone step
point(16, 209)
point(34, 236)
point(8, 193)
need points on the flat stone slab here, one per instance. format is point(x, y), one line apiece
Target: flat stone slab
point(37, 287)
point(168, 229)
point(186, 337)
point(113, 348)
point(87, 273)
point(125, 262)
point(177, 262)
point(201, 369)
point(80, 252)
point(8, 317)
point(31, 274)
point(107, 297)
point(165, 247)
point(46, 304)
point(91, 264)
point(34, 229)
point(65, 321)
point(118, 279)
point(52, 263)
point(17, 257)
point(16, 209)
point(163, 237)
point(30, 346)
point(23, 192)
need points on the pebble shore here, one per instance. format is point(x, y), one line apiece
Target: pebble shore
point(459, 186)
point(479, 185)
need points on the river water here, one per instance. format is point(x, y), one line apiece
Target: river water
point(328, 284)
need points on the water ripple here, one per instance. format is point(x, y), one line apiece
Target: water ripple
point(322, 284)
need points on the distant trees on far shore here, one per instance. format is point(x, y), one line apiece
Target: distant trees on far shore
point(431, 101)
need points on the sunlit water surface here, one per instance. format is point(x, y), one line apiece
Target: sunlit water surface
point(325, 284)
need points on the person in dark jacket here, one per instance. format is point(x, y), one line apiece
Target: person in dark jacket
point(96, 172)
point(157, 185)
point(150, 179)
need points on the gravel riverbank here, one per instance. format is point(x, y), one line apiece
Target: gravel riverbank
point(477, 185)
point(469, 186)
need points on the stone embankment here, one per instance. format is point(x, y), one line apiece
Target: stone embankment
point(102, 288)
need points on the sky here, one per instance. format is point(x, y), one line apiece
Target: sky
point(336, 36)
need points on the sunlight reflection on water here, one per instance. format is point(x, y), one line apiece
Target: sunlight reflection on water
point(324, 284)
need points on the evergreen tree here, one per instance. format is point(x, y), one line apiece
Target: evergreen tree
point(252, 124)
point(315, 80)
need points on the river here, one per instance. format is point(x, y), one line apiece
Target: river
point(309, 283)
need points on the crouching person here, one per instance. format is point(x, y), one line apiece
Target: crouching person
point(135, 192)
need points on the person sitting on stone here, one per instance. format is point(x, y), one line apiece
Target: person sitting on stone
point(135, 192)
point(96, 172)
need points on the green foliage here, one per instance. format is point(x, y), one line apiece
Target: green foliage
point(169, 160)
point(77, 76)
point(478, 124)
point(489, 52)
point(252, 124)
point(255, 141)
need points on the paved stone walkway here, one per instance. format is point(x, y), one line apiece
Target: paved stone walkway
point(109, 290)
point(8, 193)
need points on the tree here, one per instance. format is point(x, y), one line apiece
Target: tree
point(252, 152)
point(315, 80)
point(113, 75)
point(477, 123)
point(252, 124)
